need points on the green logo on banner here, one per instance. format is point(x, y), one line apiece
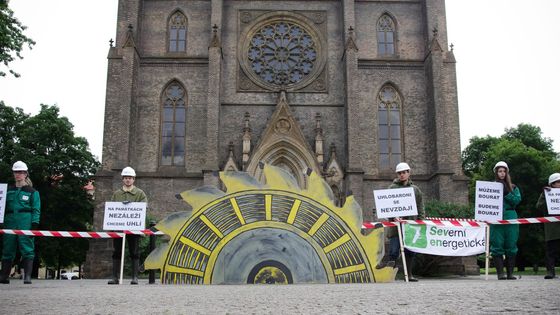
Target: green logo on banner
point(415, 235)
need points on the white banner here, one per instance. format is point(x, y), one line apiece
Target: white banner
point(488, 202)
point(391, 203)
point(553, 200)
point(444, 240)
point(119, 216)
point(3, 193)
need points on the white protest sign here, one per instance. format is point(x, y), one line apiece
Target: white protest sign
point(120, 216)
point(3, 192)
point(553, 200)
point(444, 240)
point(488, 204)
point(390, 203)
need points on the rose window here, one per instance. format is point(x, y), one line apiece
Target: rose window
point(282, 53)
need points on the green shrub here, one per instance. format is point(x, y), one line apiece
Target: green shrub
point(439, 209)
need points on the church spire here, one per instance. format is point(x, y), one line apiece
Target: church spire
point(318, 139)
point(246, 141)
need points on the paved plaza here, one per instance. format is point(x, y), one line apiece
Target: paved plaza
point(457, 295)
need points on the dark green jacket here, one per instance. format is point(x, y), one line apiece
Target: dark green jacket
point(392, 232)
point(23, 207)
point(512, 199)
point(551, 230)
point(135, 195)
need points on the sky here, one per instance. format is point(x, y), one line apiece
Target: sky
point(506, 51)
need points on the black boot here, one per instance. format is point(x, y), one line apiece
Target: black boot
point(135, 264)
point(409, 263)
point(510, 264)
point(550, 272)
point(116, 269)
point(27, 269)
point(388, 263)
point(5, 273)
point(499, 264)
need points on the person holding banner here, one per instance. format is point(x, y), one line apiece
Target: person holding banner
point(403, 181)
point(551, 230)
point(23, 210)
point(126, 194)
point(503, 237)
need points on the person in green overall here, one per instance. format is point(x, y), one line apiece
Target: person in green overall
point(503, 238)
point(551, 230)
point(126, 194)
point(23, 209)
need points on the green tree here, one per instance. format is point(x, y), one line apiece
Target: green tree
point(475, 154)
point(531, 160)
point(59, 166)
point(12, 39)
point(531, 136)
point(10, 123)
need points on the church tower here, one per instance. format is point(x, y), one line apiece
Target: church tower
point(346, 88)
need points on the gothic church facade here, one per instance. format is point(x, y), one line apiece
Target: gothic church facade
point(345, 88)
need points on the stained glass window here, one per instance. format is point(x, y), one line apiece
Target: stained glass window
point(389, 115)
point(282, 53)
point(178, 32)
point(173, 125)
point(385, 36)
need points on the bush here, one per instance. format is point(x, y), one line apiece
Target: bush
point(439, 209)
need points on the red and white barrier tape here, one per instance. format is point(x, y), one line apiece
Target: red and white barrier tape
point(527, 220)
point(373, 225)
point(447, 219)
point(464, 222)
point(442, 222)
point(365, 225)
point(78, 234)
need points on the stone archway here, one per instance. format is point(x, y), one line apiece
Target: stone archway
point(283, 144)
point(286, 156)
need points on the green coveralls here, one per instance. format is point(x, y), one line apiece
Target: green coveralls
point(503, 237)
point(23, 207)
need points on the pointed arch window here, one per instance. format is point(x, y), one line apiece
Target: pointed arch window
point(385, 36)
point(173, 125)
point(177, 31)
point(390, 130)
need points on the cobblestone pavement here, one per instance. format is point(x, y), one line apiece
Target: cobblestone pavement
point(460, 295)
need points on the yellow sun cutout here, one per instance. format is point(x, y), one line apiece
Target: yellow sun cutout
point(271, 233)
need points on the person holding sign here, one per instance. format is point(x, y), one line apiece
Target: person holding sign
point(23, 209)
point(403, 181)
point(503, 237)
point(551, 230)
point(126, 194)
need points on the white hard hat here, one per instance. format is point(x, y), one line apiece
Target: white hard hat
point(19, 166)
point(128, 171)
point(553, 178)
point(402, 167)
point(501, 164)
